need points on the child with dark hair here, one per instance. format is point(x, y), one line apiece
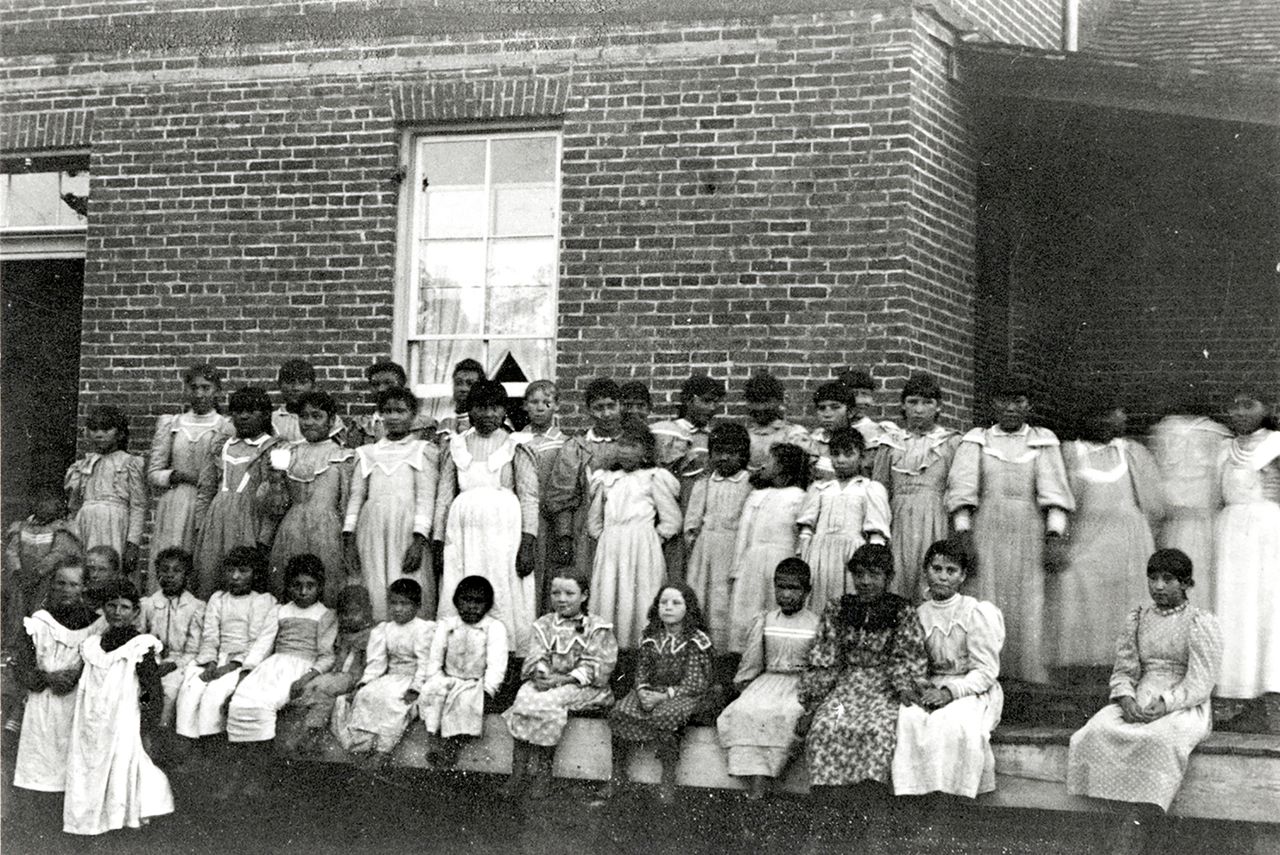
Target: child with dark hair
point(568, 493)
point(944, 735)
point(32, 549)
point(387, 529)
point(571, 656)
point(766, 535)
point(312, 480)
point(466, 374)
point(544, 438)
point(231, 497)
point(179, 449)
point(111, 782)
point(235, 617)
point(672, 681)
point(682, 446)
point(861, 391)
point(294, 647)
point(318, 698)
point(486, 512)
point(107, 488)
point(831, 404)
point(1135, 750)
point(48, 664)
point(635, 399)
point(175, 616)
point(373, 719)
point(912, 462)
point(297, 377)
point(1009, 485)
point(634, 508)
point(711, 524)
point(869, 657)
point(757, 730)
point(839, 515)
point(102, 566)
point(468, 662)
point(766, 404)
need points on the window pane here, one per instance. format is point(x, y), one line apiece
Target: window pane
point(451, 311)
point(524, 160)
point(524, 210)
point(521, 292)
point(452, 264)
point(455, 162)
point(455, 213)
point(33, 200)
point(521, 310)
point(451, 287)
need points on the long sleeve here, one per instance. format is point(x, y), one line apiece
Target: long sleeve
point(964, 481)
point(697, 505)
point(158, 461)
point(73, 485)
point(882, 466)
point(525, 474)
point(1128, 668)
point(538, 656)
point(208, 481)
point(355, 496)
point(810, 507)
point(666, 500)
point(563, 494)
point(210, 631)
point(985, 638)
point(425, 480)
point(909, 661)
point(326, 637)
point(1052, 489)
point(194, 637)
point(644, 666)
point(824, 662)
point(598, 659)
point(422, 647)
point(268, 516)
point(439, 646)
point(1204, 660)
point(150, 690)
point(264, 641)
point(446, 491)
point(697, 672)
point(878, 516)
point(137, 485)
point(375, 657)
point(752, 664)
point(496, 651)
point(595, 513)
point(1148, 487)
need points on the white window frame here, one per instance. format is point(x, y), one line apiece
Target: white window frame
point(19, 243)
point(411, 217)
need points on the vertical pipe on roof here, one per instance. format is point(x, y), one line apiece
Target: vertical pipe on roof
point(1070, 25)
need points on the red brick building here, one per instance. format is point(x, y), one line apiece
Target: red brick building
point(637, 188)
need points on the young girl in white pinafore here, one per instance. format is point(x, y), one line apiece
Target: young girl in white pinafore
point(758, 730)
point(295, 647)
point(107, 488)
point(1247, 538)
point(389, 515)
point(468, 663)
point(766, 535)
point(372, 720)
point(48, 663)
point(487, 512)
point(111, 782)
point(839, 515)
point(231, 498)
point(313, 485)
point(634, 509)
point(181, 446)
point(711, 525)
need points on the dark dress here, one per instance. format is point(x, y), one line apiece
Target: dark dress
point(865, 655)
point(665, 662)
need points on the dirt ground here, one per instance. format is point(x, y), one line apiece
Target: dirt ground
point(319, 809)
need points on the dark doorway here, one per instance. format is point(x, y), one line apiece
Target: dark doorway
point(40, 352)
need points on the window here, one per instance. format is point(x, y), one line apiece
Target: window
point(44, 200)
point(483, 258)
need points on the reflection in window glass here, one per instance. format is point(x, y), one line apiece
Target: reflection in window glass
point(32, 200)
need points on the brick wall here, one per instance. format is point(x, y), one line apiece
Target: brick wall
point(737, 195)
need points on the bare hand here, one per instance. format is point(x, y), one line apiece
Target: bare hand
point(437, 556)
point(129, 561)
point(301, 683)
point(690, 538)
point(410, 696)
point(911, 697)
point(1154, 710)
point(526, 556)
point(935, 698)
point(650, 698)
point(63, 682)
point(1055, 554)
point(413, 555)
point(803, 724)
point(166, 668)
point(1129, 711)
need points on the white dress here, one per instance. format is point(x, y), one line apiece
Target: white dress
point(1171, 654)
point(949, 749)
point(468, 661)
point(766, 535)
point(715, 509)
point(376, 716)
point(46, 720)
point(488, 498)
point(181, 444)
point(842, 517)
point(294, 642)
point(1247, 538)
point(111, 782)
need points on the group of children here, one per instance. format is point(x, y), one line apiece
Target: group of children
point(390, 568)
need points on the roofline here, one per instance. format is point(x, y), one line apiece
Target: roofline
point(1000, 70)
